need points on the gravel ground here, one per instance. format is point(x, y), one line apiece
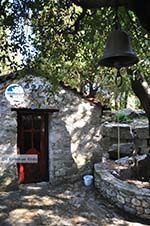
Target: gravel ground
point(61, 205)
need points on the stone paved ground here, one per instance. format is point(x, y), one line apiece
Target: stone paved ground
point(61, 205)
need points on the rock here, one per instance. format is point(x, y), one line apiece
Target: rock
point(141, 112)
point(145, 204)
point(128, 200)
point(136, 202)
point(122, 161)
point(130, 210)
point(142, 132)
point(3, 207)
point(126, 149)
point(121, 199)
point(139, 210)
point(143, 167)
point(116, 174)
point(147, 211)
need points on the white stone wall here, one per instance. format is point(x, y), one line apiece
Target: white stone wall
point(74, 132)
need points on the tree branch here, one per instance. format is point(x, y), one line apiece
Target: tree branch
point(77, 22)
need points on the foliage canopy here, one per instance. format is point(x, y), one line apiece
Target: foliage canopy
point(64, 42)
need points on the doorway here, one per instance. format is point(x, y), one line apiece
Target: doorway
point(33, 139)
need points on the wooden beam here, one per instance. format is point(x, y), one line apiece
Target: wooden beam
point(36, 110)
point(141, 8)
point(95, 4)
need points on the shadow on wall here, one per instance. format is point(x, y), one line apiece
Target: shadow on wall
point(86, 139)
point(8, 170)
point(61, 163)
point(8, 138)
point(82, 122)
point(9, 179)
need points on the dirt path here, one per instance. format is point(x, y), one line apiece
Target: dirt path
point(63, 205)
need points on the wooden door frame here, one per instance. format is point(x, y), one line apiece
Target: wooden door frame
point(26, 111)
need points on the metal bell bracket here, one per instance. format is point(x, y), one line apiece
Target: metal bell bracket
point(118, 78)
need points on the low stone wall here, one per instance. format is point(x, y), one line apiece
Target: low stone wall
point(126, 196)
point(109, 135)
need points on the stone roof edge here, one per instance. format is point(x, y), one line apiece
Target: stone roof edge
point(80, 94)
point(16, 75)
point(10, 76)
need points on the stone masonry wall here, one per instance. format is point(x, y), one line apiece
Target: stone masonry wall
point(126, 196)
point(76, 129)
point(74, 132)
point(109, 133)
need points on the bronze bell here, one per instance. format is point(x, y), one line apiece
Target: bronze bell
point(118, 51)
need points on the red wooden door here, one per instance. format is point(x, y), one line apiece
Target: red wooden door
point(32, 139)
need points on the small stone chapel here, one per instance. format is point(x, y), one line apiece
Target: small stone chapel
point(62, 128)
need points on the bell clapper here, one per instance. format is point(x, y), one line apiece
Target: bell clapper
point(118, 78)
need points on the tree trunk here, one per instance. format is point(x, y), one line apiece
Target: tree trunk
point(126, 98)
point(116, 101)
point(142, 91)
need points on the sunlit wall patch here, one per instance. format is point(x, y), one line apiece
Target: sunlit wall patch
point(14, 93)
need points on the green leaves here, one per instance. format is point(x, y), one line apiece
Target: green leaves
point(65, 43)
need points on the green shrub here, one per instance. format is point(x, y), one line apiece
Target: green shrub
point(122, 117)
